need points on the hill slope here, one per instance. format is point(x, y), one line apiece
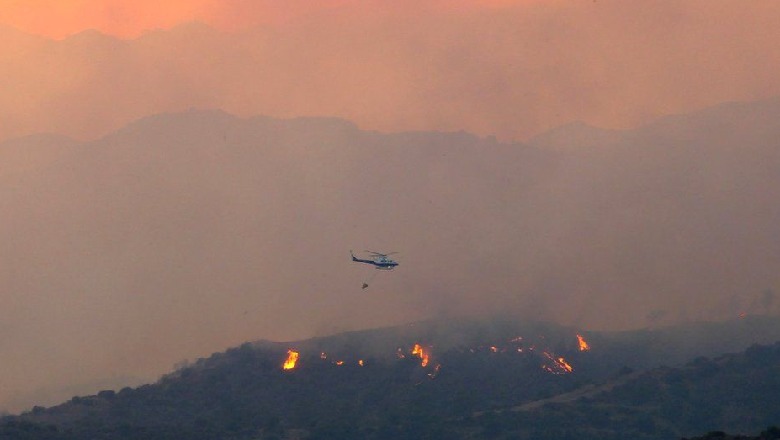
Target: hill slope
point(736, 393)
point(466, 379)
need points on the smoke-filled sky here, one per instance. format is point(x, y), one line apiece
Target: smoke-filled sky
point(507, 68)
point(128, 246)
point(129, 19)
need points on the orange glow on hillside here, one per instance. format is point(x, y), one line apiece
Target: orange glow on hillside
point(558, 364)
point(418, 351)
point(292, 358)
point(564, 365)
point(584, 346)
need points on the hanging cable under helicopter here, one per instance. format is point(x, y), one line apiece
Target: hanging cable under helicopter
point(378, 260)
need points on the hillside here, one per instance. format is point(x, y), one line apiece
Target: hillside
point(772, 433)
point(368, 384)
point(465, 379)
point(734, 393)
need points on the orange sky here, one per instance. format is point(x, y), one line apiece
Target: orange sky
point(130, 18)
point(510, 68)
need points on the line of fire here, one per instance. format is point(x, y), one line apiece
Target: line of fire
point(549, 361)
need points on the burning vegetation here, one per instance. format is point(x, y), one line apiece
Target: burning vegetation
point(518, 346)
point(584, 346)
point(417, 350)
point(557, 364)
point(292, 358)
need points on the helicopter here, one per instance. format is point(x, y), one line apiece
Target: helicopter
point(380, 260)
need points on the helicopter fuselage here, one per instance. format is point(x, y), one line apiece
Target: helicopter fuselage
point(380, 262)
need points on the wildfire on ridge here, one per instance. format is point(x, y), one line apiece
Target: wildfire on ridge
point(292, 358)
point(552, 363)
point(565, 365)
point(559, 365)
point(418, 350)
point(584, 346)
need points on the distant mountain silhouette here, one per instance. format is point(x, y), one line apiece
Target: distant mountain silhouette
point(576, 136)
point(509, 75)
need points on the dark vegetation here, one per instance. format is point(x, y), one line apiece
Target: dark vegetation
point(491, 384)
point(772, 433)
point(736, 393)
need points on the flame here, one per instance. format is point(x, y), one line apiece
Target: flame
point(565, 365)
point(494, 349)
point(584, 346)
point(360, 362)
point(418, 350)
point(292, 358)
point(559, 365)
point(339, 362)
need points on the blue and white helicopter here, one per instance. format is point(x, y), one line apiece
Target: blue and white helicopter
point(379, 260)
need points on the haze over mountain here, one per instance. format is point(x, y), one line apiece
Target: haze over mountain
point(184, 233)
point(510, 68)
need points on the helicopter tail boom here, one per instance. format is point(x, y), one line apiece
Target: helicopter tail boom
point(354, 258)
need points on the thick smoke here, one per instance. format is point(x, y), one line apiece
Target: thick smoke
point(186, 233)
